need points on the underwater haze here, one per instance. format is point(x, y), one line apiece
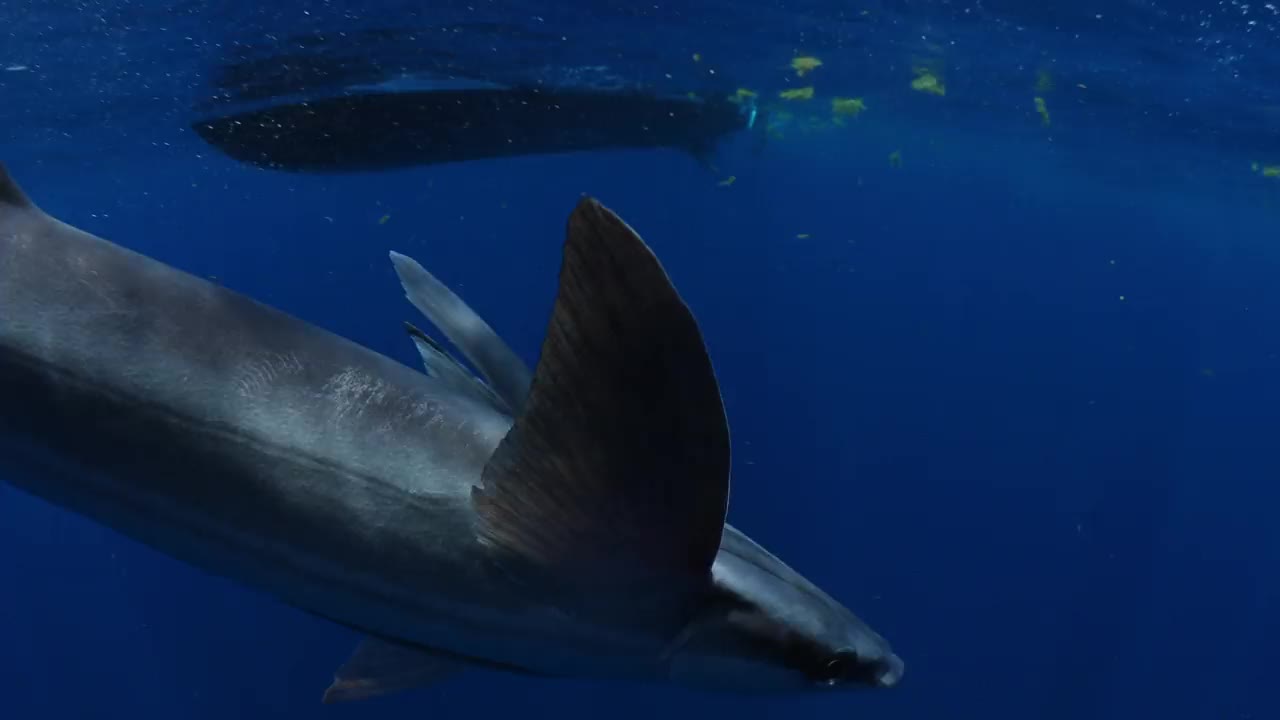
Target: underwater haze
point(992, 290)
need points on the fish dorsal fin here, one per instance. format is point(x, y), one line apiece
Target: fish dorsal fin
point(617, 471)
point(506, 372)
point(10, 194)
point(380, 667)
point(445, 368)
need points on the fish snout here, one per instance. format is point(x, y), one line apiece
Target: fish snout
point(889, 671)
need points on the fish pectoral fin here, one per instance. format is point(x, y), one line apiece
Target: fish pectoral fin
point(703, 153)
point(617, 471)
point(501, 366)
point(445, 368)
point(380, 667)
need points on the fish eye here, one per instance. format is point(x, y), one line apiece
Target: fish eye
point(840, 666)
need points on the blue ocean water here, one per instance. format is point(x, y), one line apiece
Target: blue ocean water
point(1002, 380)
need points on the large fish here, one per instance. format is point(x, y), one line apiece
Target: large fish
point(568, 521)
point(364, 131)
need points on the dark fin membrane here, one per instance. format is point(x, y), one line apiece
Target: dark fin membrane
point(616, 476)
point(10, 194)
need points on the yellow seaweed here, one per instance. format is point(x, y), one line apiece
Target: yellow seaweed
point(803, 65)
point(928, 82)
point(804, 93)
point(849, 107)
point(1044, 83)
point(1044, 111)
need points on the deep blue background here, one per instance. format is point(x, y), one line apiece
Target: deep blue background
point(1015, 402)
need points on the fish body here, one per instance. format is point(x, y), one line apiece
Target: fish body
point(563, 521)
point(379, 130)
